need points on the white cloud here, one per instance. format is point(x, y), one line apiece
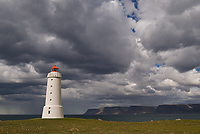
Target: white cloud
point(17, 74)
point(168, 82)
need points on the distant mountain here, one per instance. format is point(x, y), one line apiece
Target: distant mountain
point(133, 110)
point(178, 109)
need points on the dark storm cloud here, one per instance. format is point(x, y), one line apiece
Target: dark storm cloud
point(183, 59)
point(20, 88)
point(102, 62)
point(86, 39)
point(80, 41)
point(171, 26)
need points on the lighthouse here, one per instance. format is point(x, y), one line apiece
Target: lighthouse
point(53, 107)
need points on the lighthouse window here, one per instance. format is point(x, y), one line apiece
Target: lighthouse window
point(49, 112)
point(50, 92)
point(51, 79)
point(51, 86)
point(50, 99)
point(49, 107)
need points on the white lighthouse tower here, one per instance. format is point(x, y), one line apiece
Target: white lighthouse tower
point(53, 107)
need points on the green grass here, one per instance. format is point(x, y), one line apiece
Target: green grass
point(90, 126)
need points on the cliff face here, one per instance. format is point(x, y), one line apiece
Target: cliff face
point(132, 110)
point(92, 112)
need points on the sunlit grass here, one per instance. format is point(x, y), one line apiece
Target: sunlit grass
point(90, 126)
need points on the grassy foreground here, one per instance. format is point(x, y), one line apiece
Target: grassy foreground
point(90, 126)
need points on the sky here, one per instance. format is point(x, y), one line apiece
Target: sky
point(109, 52)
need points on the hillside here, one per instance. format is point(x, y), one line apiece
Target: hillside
point(89, 126)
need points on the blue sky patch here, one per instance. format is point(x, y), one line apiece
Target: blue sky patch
point(198, 69)
point(133, 16)
point(135, 3)
point(159, 65)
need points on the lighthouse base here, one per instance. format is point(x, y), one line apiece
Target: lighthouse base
point(52, 112)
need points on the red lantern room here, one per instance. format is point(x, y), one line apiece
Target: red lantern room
point(54, 69)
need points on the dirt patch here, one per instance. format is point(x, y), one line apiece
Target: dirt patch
point(74, 129)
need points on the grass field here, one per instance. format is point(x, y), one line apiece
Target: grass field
point(90, 126)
